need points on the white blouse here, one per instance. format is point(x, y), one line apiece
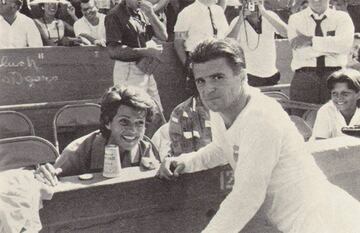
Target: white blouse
point(329, 121)
point(267, 153)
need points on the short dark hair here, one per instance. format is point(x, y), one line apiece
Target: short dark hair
point(130, 96)
point(84, 1)
point(220, 48)
point(346, 75)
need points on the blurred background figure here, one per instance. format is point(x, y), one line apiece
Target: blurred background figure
point(53, 30)
point(17, 30)
point(92, 25)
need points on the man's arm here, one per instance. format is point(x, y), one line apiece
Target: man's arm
point(126, 53)
point(160, 5)
point(274, 20)
point(33, 36)
point(158, 27)
point(235, 25)
point(179, 45)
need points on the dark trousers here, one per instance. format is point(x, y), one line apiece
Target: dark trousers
point(256, 81)
point(309, 85)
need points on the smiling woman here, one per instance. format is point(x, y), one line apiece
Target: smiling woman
point(342, 110)
point(124, 112)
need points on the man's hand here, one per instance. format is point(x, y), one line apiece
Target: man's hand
point(100, 42)
point(147, 7)
point(155, 50)
point(301, 41)
point(170, 169)
point(48, 174)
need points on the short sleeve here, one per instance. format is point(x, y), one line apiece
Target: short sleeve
point(113, 30)
point(34, 38)
point(77, 28)
point(183, 22)
point(322, 125)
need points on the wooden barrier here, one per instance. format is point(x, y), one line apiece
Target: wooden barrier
point(48, 76)
point(136, 202)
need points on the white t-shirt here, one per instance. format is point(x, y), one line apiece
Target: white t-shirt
point(82, 25)
point(195, 20)
point(21, 33)
point(259, 49)
point(272, 166)
point(329, 121)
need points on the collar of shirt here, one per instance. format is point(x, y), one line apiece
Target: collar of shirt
point(201, 5)
point(310, 12)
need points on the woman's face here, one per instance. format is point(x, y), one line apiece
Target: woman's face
point(127, 127)
point(344, 98)
point(50, 9)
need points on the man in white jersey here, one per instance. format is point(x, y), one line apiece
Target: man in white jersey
point(256, 137)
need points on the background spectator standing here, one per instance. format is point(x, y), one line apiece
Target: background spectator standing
point(320, 38)
point(130, 27)
point(92, 25)
point(16, 29)
point(255, 30)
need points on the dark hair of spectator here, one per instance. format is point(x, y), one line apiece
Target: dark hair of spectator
point(349, 76)
point(84, 1)
point(123, 95)
point(220, 48)
point(19, 3)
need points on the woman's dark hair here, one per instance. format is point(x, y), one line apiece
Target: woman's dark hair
point(347, 75)
point(123, 95)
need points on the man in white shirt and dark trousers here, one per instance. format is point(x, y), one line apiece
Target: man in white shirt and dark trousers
point(91, 26)
point(321, 39)
point(16, 29)
point(255, 30)
point(210, 22)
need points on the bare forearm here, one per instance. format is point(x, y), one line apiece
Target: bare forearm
point(160, 5)
point(277, 23)
point(235, 31)
point(88, 37)
point(125, 53)
point(158, 26)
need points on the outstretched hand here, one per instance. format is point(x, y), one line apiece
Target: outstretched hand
point(47, 174)
point(170, 169)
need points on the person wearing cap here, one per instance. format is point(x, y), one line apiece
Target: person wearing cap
point(92, 25)
point(343, 109)
point(52, 29)
point(124, 113)
point(255, 30)
point(132, 27)
point(16, 29)
point(321, 39)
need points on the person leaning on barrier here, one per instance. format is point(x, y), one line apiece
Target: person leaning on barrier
point(124, 112)
point(91, 26)
point(343, 109)
point(16, 29)
point(257, 138)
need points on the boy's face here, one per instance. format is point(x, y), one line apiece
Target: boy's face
point(344, 98)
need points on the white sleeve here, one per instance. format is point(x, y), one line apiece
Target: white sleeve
point(259, 152)
point(77, 28)
point(322, 125)
point(33, 35)
point(207, 157)
point(292, 27)
point(183, 21)
point(341, 42)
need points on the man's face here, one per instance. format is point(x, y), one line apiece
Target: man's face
point(89, 10)
point(127, 127)
point(344, 98)
point(319, 6)
point(8, 7)
point(217, 84)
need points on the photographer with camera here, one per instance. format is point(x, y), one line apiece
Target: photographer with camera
point(255, 29)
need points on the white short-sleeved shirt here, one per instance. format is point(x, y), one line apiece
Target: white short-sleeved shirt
point(273, 167)
point(82, 25)
point(329, 121)
point(338, 30)
point(259, 49)
point(195, 20)
point(21, 33)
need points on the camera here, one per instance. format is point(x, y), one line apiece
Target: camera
point(250, 5)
